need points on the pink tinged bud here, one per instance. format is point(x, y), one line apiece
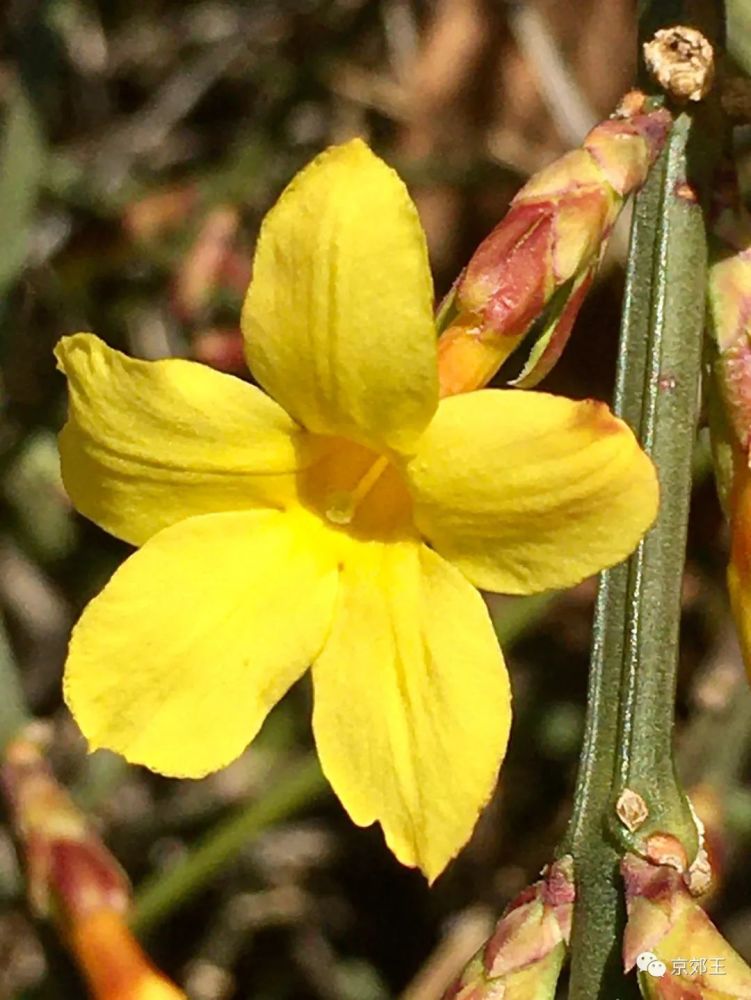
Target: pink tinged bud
point(204, 270)
point(729, 296)
point(729, 354)
point(582, 225)
point(625, 148)
point(709, 805)
point(522, 959)
point(509, 277)
point(729, 320)
point(221, 348)
point(114, 965)
point(726, 432)
point(70, 873)
point(729, 401)
point(468, 356)
point(555, 223)
point(733, 372)
point(150, 218)
point(73, 879)
point(668, 927)
point(549, 243)
point(548, 348)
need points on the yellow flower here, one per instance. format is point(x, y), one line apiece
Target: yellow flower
point(342, 521)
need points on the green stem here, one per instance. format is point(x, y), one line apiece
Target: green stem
point(628, 739)
point(165, 892)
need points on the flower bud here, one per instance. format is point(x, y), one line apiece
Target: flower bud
point(113, 964)
point(70, 873)
point(150, 218)
point(522, 959)
point(729, 400)
point(74, 880)
point(541, 259)
point(213, 265)
point(222, 348)
point(678, 952)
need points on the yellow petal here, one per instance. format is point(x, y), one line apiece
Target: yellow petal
point(524, 491)
point(197, 635)
point(412, 706)
point(148, 443)
point(338, 320)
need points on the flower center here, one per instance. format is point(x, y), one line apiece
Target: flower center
point(342, 506)
point(355, 488)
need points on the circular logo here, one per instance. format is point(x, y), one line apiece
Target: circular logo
point(648, 962)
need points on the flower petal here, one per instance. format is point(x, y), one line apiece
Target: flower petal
point(339, 315)
point(198, 634)
point(149, 443)
point(412, 706)
point(524, 491)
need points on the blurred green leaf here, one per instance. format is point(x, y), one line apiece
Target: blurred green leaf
point(34, 489)
point(13, 711)
point(516, 616)
point(22, 162)
point(738, 14)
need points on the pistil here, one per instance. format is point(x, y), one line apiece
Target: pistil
point(342, 505)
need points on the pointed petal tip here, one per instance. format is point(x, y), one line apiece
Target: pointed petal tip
point(346, 233)
point(390, 747)
point(141, 672)
point(66, 346)
point(356, 146)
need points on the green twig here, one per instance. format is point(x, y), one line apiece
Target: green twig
point(165, 892)
point(628, 740)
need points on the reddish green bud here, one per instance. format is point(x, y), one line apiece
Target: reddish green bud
point(709, 805)
point(626, 146)
point(113, 964)
point(677, 951)
point(543, 255)
point(212, 265)
point(729, 320)
point(149, 219)
point(222, 348)
point(73, 879)
point(522, 959)
point(70, 873)
point(728, 391)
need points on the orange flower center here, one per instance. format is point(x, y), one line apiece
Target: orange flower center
point(358, 490)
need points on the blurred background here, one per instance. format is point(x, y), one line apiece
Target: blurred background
point(141, 145)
